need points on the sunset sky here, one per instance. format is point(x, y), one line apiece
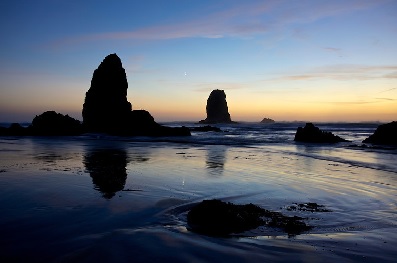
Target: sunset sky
point(285, 60)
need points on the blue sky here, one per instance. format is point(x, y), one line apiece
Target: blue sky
point(286, 60)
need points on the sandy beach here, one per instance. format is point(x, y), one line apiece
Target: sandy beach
point(90, 199)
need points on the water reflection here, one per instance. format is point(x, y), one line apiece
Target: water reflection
point(215, 162)
point(107, 168)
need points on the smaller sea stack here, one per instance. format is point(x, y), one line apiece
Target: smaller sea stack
point(217, 110)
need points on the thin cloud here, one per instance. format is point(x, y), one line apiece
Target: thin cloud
point(341, 72)
point(388, 99)
point(387, 90)
point(332, 49)
point(242, 20)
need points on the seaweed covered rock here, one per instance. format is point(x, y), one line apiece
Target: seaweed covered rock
point(311, 133)
point(217, 110)
point(217, 218)
point(384, 134)
point(52, 123)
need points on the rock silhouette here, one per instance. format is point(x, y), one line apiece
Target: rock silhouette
point(53, 123)
point(217, 218)
point(49, 123)
point(384, 134)
point(106, 108)
point(311, 133)
point(267, 120)
point(217, 110)
point(15, 129)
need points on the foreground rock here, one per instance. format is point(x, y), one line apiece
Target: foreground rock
point(267, 120)
point(384, 134)
point(311, 133)
point(52, 123)
point(106, 108)
point(49, 123)
point(217, 110)
point(217, 218)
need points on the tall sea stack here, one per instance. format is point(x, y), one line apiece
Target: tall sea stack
point(106, 106)
point(217, 110)
point(107, 110)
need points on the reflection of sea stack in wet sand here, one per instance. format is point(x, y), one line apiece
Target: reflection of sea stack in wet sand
point(217, 110)
point(106, 108)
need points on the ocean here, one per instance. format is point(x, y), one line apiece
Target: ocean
point(99, 198)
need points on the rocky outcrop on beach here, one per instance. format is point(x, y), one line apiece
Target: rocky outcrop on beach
point(217, 110)
point(15, 129)
point(49, 123)
point(217, 218)
point(106, 108)
point(267, 120)
point(384, 134)
point(53, 123)
point(311, 133)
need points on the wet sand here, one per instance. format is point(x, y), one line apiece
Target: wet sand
point(57, 205)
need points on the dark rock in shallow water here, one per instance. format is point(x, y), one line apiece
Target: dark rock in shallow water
point(15, 129)
point(141, 123)
point(267, 120)
point(52, 123)
point(217, 110)
point(217, 218)
point(106, 108)
point(311, 133)
point(384, 134)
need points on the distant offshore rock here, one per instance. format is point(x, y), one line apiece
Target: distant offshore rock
point(267, 120)
point(217, 110)
point(384, 134)
point(106, 108)
point(311, 133)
